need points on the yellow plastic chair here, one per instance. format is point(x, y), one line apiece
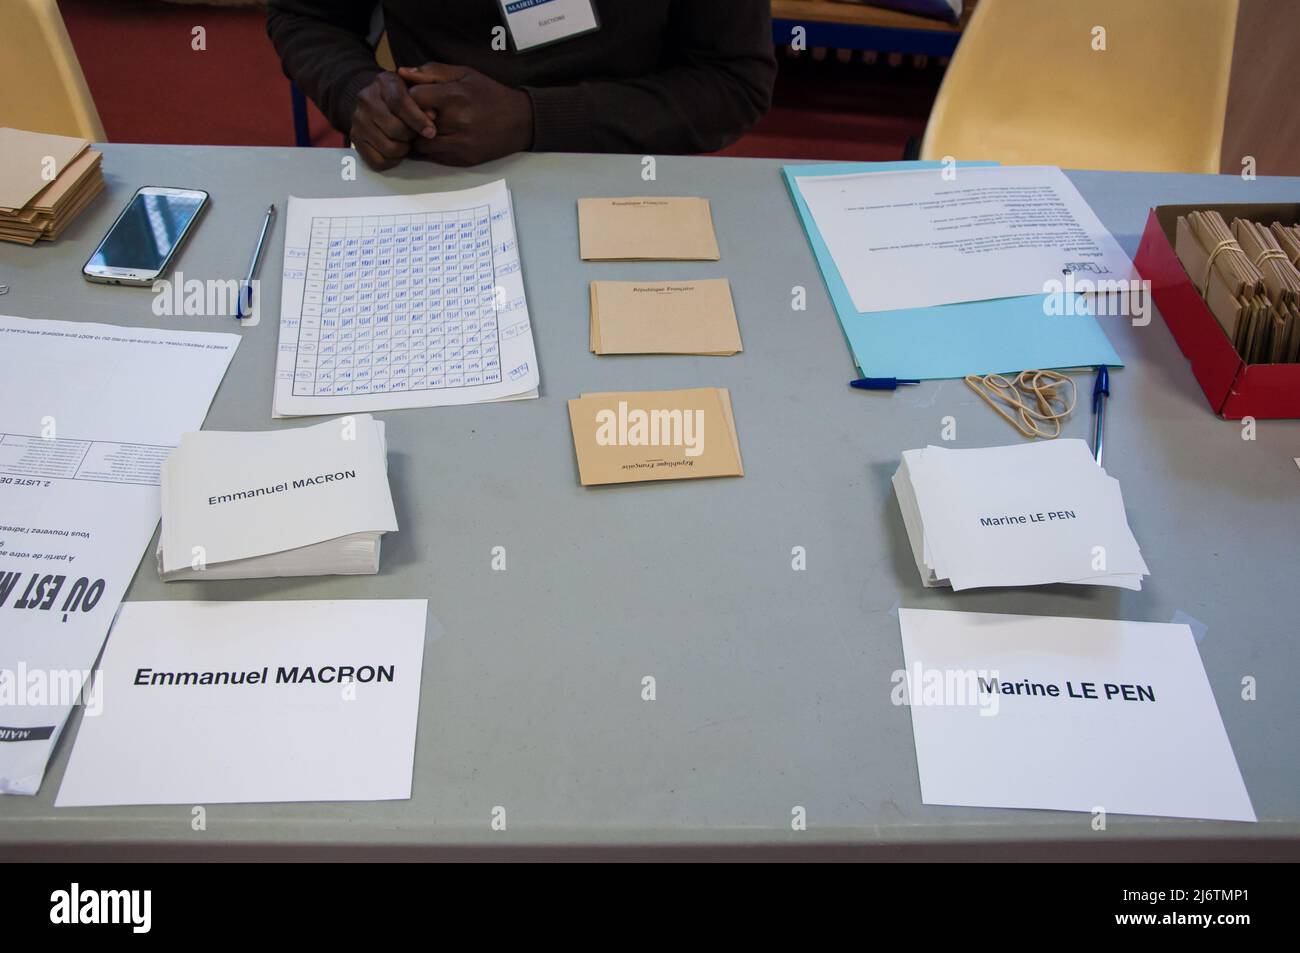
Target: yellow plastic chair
point(1027, 87)
point(42, 87)
point(384, 55)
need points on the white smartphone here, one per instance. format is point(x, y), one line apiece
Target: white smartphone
point(141, 244)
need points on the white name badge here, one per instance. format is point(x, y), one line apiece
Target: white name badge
point(534, 23)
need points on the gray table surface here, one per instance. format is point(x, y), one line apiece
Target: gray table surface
point(773, 686)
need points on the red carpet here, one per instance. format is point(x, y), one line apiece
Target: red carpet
point(150, 86)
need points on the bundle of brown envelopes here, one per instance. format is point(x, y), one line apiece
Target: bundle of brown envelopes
point(1247, 275)
point(45, 182)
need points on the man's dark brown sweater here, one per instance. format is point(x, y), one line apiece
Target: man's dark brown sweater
point(659, 76)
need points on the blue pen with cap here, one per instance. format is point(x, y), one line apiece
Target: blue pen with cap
point(879, 383)
point(245, 305)
point(1100, 393)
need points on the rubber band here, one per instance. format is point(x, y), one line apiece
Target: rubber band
point(1270, 254)
point(1214, 253)
point(1034, 396)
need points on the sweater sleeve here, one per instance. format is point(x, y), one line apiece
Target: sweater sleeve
point(716, 82)
point(324, 50)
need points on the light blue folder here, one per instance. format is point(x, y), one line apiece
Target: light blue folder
point(952, 340)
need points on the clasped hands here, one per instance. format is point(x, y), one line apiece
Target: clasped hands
point(449, 114)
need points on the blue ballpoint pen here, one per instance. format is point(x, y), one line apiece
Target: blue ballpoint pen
point(1100, 392)
point(879, 383)
point(246, 289)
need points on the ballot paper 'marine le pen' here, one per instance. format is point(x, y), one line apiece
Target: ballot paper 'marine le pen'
point(306, 502)
point(1024, 515)
point(1020, 711)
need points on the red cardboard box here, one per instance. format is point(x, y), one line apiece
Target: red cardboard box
point(1235, 389)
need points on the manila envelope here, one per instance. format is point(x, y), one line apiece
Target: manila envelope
point(663, 317)
point(636, 436)
point(73, 177)
point(646, 228)
point(23, 169)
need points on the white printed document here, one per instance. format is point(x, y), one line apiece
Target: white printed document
point(1023, 515)
point(90, 412)
point(228, 702)
point(1066, 714)
point(402, 301)
point(303, 502)
point(940, 236)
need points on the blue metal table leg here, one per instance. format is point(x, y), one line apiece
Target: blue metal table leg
point(301, 131)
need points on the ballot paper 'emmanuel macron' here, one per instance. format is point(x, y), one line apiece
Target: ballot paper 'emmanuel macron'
point(305, 502)
point(1024, 515)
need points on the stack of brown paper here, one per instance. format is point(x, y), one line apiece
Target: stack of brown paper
point(45, 182)
point(1277, 338)
point(635, 436)
point(663, 317)
point(1257, 310)
point(1288, 239)
point(646, 228)
point(1281, 280)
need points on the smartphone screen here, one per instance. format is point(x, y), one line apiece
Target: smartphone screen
point(147, 232)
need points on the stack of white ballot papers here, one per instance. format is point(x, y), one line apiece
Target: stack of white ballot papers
point(1025, 515)
point(307, 502)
